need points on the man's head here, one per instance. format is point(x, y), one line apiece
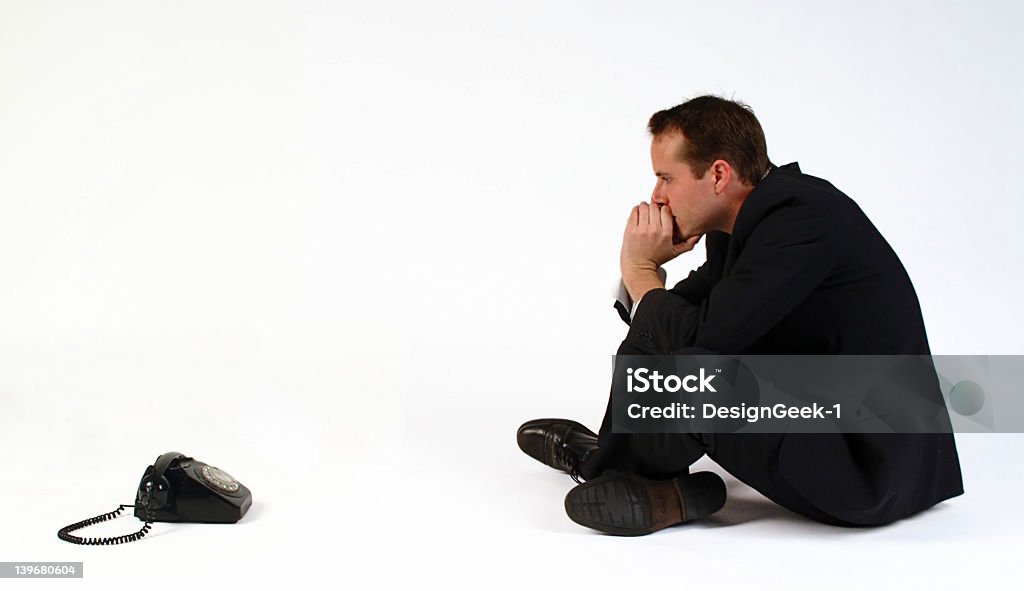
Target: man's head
point(708, 153)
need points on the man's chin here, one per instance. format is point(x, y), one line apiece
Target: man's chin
point(678, 238)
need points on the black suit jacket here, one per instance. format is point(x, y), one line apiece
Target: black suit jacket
point(806, 272)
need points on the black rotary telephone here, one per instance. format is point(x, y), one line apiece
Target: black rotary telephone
point(176, 488)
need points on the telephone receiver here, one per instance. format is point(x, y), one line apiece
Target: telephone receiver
point(175, 488)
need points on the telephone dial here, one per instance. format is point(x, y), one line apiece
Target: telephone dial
point(176, 488)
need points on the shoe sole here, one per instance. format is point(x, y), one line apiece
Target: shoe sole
point(633, 506)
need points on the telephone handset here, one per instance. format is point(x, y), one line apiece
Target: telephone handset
point(176, 488)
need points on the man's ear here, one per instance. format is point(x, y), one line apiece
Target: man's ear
point(721, 172)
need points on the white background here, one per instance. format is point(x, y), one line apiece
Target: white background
point(342, 250)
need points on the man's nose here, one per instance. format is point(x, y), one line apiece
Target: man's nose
point(658, 196)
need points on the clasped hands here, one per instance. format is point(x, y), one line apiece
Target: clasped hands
point(646, 245)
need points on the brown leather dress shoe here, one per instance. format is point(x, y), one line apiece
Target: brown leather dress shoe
point(630, 505)
point(559, 443)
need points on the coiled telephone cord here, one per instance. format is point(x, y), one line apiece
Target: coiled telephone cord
point(67, 537)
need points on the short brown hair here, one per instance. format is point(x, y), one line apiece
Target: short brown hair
point(716, 128)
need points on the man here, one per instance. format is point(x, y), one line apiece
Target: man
point(794, 267)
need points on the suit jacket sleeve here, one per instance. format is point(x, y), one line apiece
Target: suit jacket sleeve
point(697, 286)
point(786, 256)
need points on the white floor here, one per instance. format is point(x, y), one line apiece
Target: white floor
point(343, 492)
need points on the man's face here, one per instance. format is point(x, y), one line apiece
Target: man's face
point(692, 200)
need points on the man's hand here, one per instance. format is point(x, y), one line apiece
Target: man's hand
point(647, 245)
